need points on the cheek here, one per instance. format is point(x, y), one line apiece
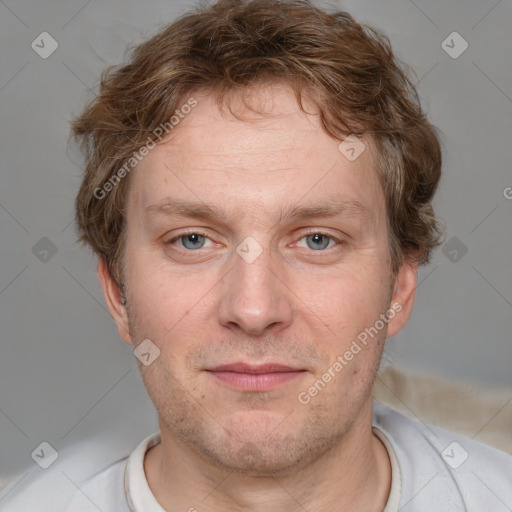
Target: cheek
point(350, 308)
point(150, 295)
point(348, 302)
point(166, 307)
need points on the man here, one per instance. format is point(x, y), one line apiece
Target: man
point(258, 190)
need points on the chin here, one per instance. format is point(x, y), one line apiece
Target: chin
point(264, 444)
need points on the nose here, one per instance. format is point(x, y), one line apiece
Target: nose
point(254, 296)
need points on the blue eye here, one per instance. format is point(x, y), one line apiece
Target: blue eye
point(195, 240)
point(319, 241)
point(191, 241)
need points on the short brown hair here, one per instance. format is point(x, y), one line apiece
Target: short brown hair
point(358, 86)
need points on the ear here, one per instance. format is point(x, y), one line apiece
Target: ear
point(113, 298)
point(404, 293)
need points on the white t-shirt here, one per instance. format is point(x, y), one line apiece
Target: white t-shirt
point(123, 486)
point(432, 470)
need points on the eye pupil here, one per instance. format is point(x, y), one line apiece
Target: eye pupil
point(317, 238)
point(195, 240)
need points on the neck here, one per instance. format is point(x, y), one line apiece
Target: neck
point(354, 475)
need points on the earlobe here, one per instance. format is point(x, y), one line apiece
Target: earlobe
point(114, 299)
point(404, 293)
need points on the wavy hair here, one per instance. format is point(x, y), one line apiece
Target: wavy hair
point(349, 70)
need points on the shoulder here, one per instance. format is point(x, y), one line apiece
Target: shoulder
point(114, 487)
point(103, 491)
point(81, 472)
point(444, 469)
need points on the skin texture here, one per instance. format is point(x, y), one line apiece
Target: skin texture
point(301, 303)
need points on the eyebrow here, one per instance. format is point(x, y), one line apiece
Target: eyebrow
point(330, 207)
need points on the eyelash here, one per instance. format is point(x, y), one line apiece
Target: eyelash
point(201, 233)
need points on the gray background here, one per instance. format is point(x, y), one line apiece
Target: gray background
point(66, 378)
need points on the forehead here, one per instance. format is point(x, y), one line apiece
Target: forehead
point(277, 156)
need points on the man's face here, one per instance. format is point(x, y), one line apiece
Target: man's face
point(248, 307)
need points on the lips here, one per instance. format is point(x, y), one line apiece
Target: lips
point(254, 369)
point(255, 377)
